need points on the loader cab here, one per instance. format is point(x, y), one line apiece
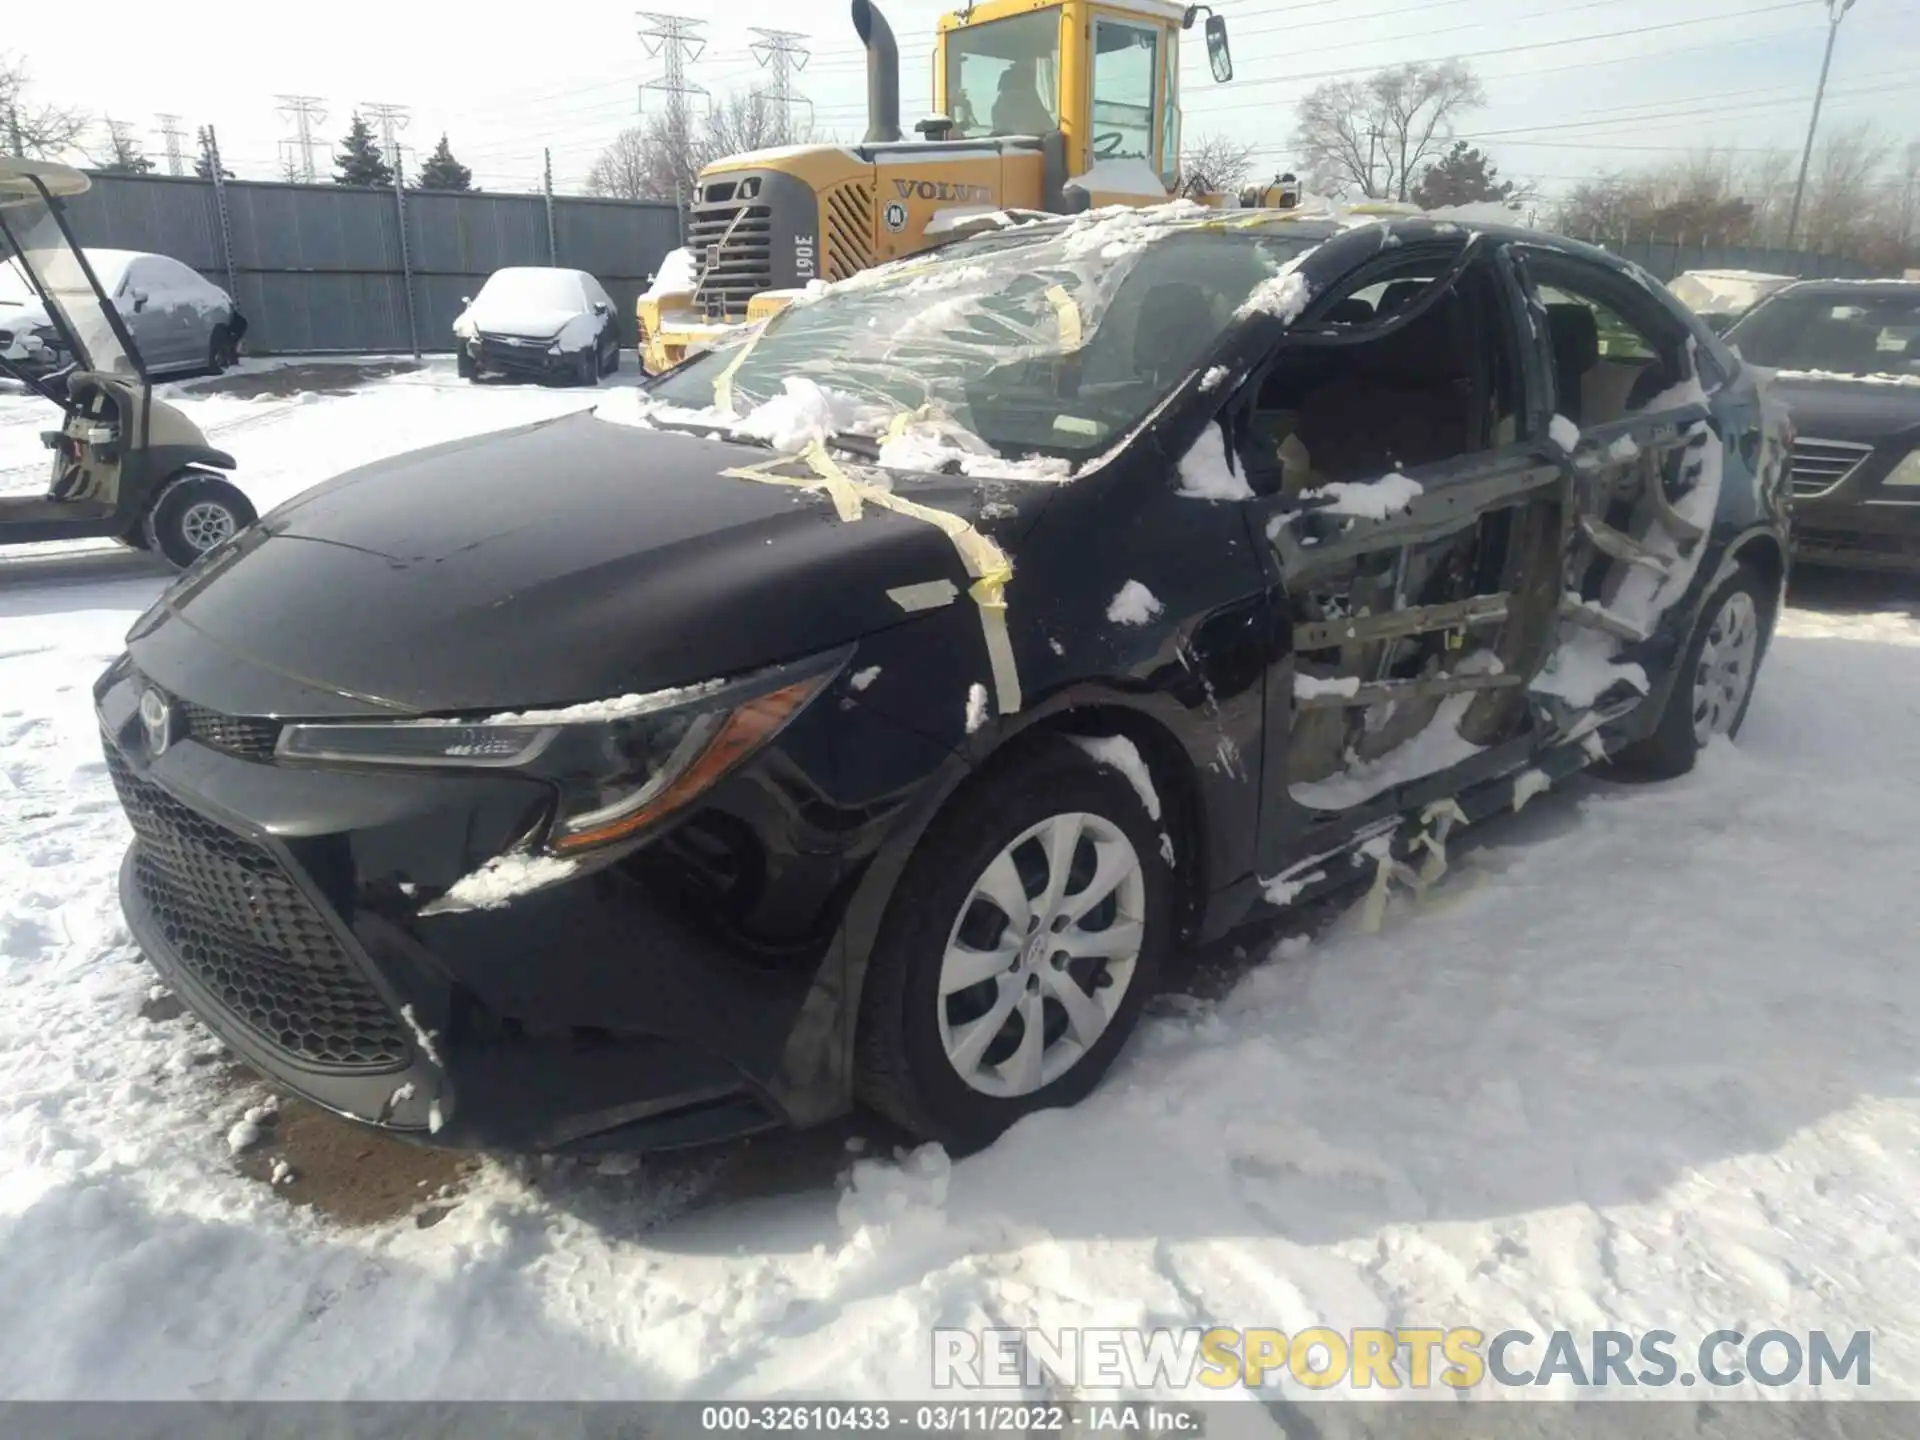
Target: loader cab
point(124, 465)
point(1105, 74)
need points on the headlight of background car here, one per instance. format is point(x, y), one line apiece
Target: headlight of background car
point(1907, 472)
point(619, 768)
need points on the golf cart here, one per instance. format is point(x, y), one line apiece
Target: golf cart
point(125, 465)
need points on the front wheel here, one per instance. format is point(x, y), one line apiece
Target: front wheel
point(1714, 686)
point(194, 514)
point(586, 366)
point(222, 351)
point(1016, 956)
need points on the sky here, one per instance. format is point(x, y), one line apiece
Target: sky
point(1574, 88)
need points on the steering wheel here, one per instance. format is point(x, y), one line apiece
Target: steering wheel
point(1108, 144)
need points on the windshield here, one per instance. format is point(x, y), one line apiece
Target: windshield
point(1051, 344)
point(1857, 334)
point(533, 289)
point(1003, 77)
point(13, 285)
point(35, 235)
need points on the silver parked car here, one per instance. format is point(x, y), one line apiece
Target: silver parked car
point(180, 320)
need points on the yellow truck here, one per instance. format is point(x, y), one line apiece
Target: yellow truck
point(1048, 106)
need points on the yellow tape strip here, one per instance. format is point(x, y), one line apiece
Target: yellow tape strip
point(842, 491)
point(1068, 312)
point(723, 382)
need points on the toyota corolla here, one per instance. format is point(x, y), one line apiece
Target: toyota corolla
point(864, 711)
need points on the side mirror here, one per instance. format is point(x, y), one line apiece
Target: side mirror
point(139, 298)
point(1219, 56)
point(466, 300)
point(600, 307)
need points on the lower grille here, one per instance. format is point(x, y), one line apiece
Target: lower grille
point(237, 923)
point(239, 735)
point(1821, 465)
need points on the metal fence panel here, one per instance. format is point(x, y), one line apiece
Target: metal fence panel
point(319, 267)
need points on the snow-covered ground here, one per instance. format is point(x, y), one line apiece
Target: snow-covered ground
point(1651, 1060)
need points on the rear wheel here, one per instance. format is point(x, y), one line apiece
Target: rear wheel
point(221, 350)
point(1714, 687)
point(1024, 939)
point(194, 514)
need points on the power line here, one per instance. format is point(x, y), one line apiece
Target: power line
point(169, 130)
point(781, 53)
point(392, 119)
point(1507, 50)
point(306, 112)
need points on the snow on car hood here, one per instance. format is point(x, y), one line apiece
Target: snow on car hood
point(534, 322)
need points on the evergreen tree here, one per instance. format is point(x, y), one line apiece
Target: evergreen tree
point(441, 171)
point(203, 167)
point(124, 155)
point(360, 161)
point(1463, 176)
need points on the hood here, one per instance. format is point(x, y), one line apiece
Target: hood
point(562, 562)
point(1860, 409)
point(527, 321)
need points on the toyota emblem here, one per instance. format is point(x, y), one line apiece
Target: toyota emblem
point(156, 717)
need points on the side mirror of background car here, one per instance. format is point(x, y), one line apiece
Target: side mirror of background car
point(139, 298)
point(1219, 56)
point(600, 307)
point(466, 300)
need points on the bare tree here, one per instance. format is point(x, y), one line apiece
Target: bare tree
point(1215, 165)
point(1378, 135)
point(29, 128)
point(1840, 191)
point(123, 155)
point(644, 163)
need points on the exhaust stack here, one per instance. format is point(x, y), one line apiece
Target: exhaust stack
point(883, 72)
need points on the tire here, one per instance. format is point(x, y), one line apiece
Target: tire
point(1715, 683)
point(586, 366)
point(221, 351)
point(464, 366)
point(613, 359)
point(185, 521)
point(918, 1061)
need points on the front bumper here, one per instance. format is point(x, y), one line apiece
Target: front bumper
point(686, 993)
point(493, 356)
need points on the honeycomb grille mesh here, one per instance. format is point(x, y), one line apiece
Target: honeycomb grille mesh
point(237, 735)
point(243, 930)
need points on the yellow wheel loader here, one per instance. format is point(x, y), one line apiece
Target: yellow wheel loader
point(1047, 106)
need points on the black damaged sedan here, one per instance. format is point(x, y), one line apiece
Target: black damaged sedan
point(867, 710)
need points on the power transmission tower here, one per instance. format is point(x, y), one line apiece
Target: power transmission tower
point(391, 119)
point(306, 112)
point(780, 52)
point(170, 131)
point(676, 41)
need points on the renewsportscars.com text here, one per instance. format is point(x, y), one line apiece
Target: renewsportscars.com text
point(1409, 1358)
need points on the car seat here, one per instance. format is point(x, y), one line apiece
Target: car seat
point(1017, 106)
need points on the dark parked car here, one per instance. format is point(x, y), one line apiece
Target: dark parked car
point(1062, 597)
point(1848, 358)
point(538, 322)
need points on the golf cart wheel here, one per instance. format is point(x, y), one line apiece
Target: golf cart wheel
point(1018, 951)
point(221, 350)
point(586, 366)
point(193, 514)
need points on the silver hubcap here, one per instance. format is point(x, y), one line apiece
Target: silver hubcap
point(1725, 671)
point(206, 525)
point(1042, 954)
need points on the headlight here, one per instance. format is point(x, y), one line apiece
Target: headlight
point(619, 766)
point(1907, 472)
